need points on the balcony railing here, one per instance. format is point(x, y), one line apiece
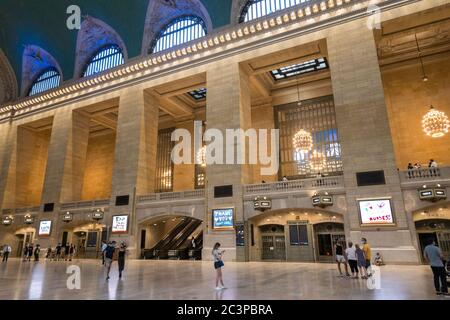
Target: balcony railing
point(21, 210)
point(437, 175)
point(85, 204)
point(325, 183)
point(171, 196)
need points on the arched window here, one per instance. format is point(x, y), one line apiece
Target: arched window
point(106, 58)
point(179, 31)
point(255, 9)
point(48, 79)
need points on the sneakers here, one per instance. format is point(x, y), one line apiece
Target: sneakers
point(218, 288)
point(223, 287)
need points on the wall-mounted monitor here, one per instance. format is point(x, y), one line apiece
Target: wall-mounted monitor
point(45, 228)
point(376, 212)
point(223, 219)
point(120, 224)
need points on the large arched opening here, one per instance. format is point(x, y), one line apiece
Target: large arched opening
point(176, 237)
point(433, 224)
point(295, 235)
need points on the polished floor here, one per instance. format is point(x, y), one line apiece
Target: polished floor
point(185, 280)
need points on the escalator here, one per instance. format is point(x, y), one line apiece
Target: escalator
point(179, 246)
point(152, 253)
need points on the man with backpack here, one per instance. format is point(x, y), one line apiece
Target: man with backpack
point(109, 255)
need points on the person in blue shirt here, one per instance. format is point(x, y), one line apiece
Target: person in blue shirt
point(433, 255)
point(109, 255)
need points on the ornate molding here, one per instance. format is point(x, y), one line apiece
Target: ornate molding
point(8, 83)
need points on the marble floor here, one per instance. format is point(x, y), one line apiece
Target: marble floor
point(186, 280)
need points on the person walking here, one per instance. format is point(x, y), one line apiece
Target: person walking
point(218, 265)
point(339, 250)
point(121, 258)
point(350, 254)
point(6, 251)
point(37, 252)
point(104, 246)
point(109, 255)
point(30, 252)
point(58, 251)
point(433, 255)
point(71, 252)
point(25, 252)
point(48, 255)
point(361, 258)
point(67, 251)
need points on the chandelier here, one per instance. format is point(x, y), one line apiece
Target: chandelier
point(303, 141)
point(435, 123)
point(201, 156)
point(317, 161)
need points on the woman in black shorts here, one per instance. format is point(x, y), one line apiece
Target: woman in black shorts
point(218, 265)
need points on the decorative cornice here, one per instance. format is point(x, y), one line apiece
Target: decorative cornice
point(8, 79)
point(140, 69)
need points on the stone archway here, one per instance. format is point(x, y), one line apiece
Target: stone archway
point(301, 228)
point(162, 12)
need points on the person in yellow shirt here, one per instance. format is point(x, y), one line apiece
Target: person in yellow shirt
point(367, 253)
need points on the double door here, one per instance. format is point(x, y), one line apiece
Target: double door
point(274, 247)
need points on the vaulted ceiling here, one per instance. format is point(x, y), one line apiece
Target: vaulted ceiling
point(43, 23)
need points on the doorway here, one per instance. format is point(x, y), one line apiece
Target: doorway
point(437, 230)
point(273, 243)
point(326, 235)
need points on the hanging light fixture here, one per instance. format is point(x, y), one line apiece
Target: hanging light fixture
point(201, 156)
point(303, 141)
point(435, 123)
point(317, 161)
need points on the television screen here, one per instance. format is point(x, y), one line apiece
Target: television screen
point(376, 212)
point(223, 192)
point(120, 224)
point(223, 219)
point(45, 228)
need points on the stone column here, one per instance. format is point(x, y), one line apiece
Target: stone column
point(8, 145)
point(366, 137)
point(135, 158)
point(228, 107)
point(184, 174)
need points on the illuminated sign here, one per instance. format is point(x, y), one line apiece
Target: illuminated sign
point(29, 220)
point(262, 203)
point(433, 194)
point(322, 201)
point(223, 219)
point(375, 212)
point(45, 228)
point(67, 217)
point(97, 215)
point(120, 224)
point(7, 221)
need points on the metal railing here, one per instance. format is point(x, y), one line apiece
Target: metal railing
point(285, 186)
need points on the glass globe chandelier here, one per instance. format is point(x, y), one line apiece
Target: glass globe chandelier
point(317, 161)
point(303, 141)
point(435, 123)
point(201, 156)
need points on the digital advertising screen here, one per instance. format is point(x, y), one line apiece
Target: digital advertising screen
point(45, 228)
point(120, 224)
point(223, 219)
point(376, 212)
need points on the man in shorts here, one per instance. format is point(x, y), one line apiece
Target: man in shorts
point(109, 255)
point(340, 259)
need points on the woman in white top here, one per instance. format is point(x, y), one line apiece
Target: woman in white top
point(218, 265)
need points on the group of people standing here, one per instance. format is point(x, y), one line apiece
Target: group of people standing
point(61, 252)
point(357, 257)
point(30, 250)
